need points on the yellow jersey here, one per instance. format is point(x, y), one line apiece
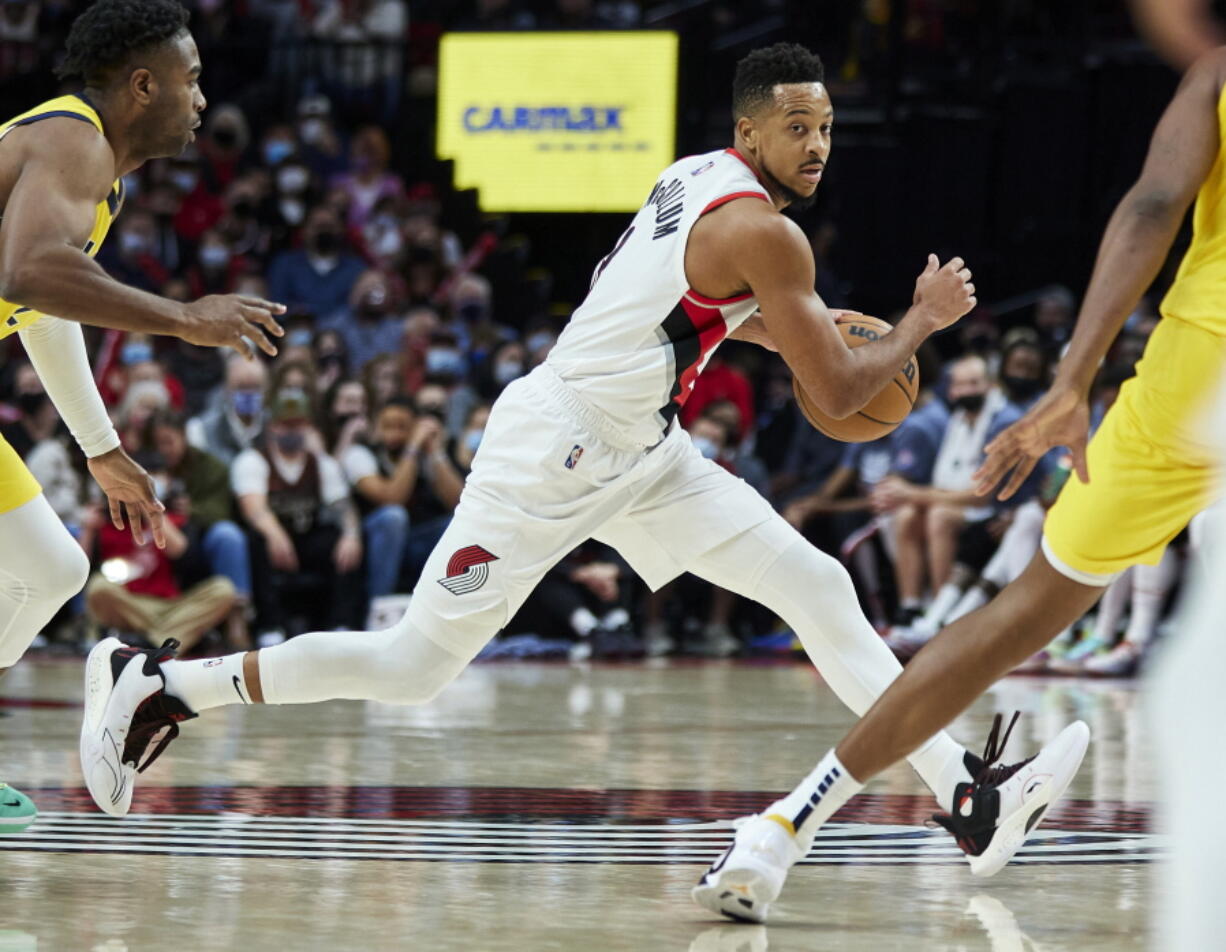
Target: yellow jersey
point(13, 317)
point(1198, 295)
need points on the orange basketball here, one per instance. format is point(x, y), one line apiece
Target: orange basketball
point(885, 411)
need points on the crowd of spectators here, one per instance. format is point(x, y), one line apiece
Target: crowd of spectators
point(307, 491)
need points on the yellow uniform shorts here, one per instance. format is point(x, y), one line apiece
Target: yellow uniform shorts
point(1153, 463)
point(17, 484)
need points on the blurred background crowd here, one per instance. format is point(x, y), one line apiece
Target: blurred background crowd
point(306, 492)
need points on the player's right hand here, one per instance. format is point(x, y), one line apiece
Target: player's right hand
point(1060, 418)
point(944, 293)
point(233, 320)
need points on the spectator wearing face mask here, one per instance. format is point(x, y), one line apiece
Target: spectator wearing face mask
point(217, 546)
point(36, 420)
point(133, 258)
point(216, 267)
point(225, 138)
point(346, 420)
point(307, 537)
point(135, 589)
point(447, 371)
point(322, 147)
point(319, 276)
point(331, 358)
point(236, 420)
point(470, 437)
point(927, 520)
point(368, 179)
point(507, 362)
point(373, 326)
point(406, 487)
point(200, 207)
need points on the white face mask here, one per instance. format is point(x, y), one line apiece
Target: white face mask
point(293, 179)
point(507, 371)
point(292, 210)
point(311, 130)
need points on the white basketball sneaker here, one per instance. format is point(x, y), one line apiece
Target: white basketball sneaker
point(998, 809)
point(126, 709)
point(748, 876)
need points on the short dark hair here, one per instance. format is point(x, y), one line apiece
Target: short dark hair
point(761, 71)
point(106, 36)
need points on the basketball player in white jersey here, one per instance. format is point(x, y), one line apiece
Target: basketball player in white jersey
point(587, 445)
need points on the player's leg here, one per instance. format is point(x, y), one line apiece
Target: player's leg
point(41, 567)
point(812, 593)
point(520, 513)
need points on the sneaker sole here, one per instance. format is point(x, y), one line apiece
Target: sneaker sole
point(16, 824)
point(743, 895)
point(1011, 835)
point(100, 756)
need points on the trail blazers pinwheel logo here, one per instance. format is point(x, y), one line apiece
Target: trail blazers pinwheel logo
point(468, 570)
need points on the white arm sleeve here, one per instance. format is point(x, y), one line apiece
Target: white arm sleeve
point(56, 348)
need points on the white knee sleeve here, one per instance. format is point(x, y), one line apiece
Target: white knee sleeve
point(40, 570)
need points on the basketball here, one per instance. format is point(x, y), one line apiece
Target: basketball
point(885, 411)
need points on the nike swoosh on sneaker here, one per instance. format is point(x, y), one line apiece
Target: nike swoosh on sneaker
point(1034, 785)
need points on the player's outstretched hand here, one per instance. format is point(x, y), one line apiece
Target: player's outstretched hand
point(234, 320)
point(1060, 418)
point(944, 293)
point(129, 489)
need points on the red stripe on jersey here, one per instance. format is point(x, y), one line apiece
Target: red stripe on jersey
point(725, 199)
point(716, 302)
point(711, 328)
point(736, 154)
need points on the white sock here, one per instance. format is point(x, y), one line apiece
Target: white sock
point(208, 682)
point(945, 599)
point(941, 766)
point(1150, 584)
point(911, 603)
point(1112, 607)
point(582, 622)
point(815, 799)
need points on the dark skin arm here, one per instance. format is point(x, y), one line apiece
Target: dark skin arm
point(747, 244)
point(1133, 250)
point(62, 173)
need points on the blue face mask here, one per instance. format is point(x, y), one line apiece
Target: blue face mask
point(299, 338)
point(504, 373)
point(706, 447)
point(247, 403)
point(277, 150)
point(291, 442)
point(136, 353)
point(473, 439)
point(445, 360)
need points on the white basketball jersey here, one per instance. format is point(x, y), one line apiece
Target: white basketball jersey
point(642, 335)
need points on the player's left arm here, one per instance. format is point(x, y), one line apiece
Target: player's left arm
point(56, 349)
point(1138, 239)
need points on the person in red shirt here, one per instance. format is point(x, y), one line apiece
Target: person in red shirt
point(135, 589)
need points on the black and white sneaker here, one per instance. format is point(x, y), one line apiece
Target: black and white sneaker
point(998, 809)
point(126, 710)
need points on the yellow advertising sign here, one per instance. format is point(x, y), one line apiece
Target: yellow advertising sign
point(558, 121)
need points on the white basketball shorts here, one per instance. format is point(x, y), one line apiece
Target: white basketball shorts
point(551, 473)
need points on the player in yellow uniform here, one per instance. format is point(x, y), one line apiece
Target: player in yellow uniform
point(61, 166)
point(1151, 466)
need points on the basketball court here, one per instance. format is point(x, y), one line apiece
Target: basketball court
point(550, 806)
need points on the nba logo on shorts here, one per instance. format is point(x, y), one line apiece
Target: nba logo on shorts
point(573, 459)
